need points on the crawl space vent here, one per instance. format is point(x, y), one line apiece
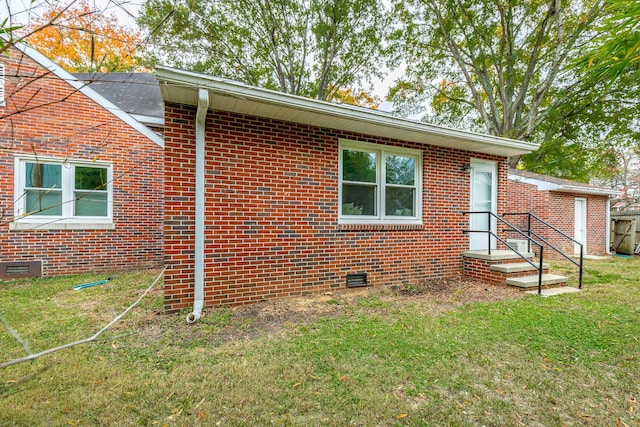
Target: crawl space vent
point(18, 269)
point(356, 280)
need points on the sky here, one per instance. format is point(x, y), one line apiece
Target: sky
point(22, 11)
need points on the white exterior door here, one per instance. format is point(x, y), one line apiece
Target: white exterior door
point(580, 225)
point(483, 198)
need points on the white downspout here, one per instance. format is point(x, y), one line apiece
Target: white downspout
point(608, 226)
point(198, 285)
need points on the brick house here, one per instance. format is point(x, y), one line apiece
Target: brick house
point(579, 210)
point(81, 182)
point(269, 194)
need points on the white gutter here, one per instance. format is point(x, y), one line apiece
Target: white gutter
point(149, 120)
point(198, 286)
point(187, 81)
point(564, 188)
point(585, 190)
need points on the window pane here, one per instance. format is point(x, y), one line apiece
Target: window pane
point(358, 166)
point(400, 170)
point(88, 178)
point(400, 201)
point(44, 202)
point(90, 203)
point(482, 187)
point(43, 175)
point(358, 199)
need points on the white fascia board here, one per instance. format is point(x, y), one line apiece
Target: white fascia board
point(584, 190)
point(563, 188)
point(84, 88)
point(191, 81)
point(149, 120)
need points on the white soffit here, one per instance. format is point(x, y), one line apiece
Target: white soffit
point(181, 87)
point(564, 188)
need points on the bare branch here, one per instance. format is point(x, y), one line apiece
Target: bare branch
point(93, 337)
point(457, 55)
point(16, 335)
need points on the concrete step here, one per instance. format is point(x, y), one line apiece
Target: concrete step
point(532, 281)
point(517, 267)
point(495, 255)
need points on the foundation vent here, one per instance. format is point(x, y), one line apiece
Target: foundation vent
point(18, 269)
point(356, 280)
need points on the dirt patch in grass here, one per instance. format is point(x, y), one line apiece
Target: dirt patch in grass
point(277, 316)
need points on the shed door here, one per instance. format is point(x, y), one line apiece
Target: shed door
point(580, 225)
point(483, 198)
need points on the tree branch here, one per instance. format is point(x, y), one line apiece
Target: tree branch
point(95, 336)
point(458, 58)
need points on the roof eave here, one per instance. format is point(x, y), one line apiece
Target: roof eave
point(84, 88)
point(380, 124)
point(590, 191)
point(149, 120)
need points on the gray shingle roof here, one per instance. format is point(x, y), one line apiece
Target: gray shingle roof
point(135, 93)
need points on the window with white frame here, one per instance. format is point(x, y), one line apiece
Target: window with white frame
point(379, 184)
point(51, 190)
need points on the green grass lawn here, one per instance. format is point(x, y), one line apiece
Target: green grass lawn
point(377, 360)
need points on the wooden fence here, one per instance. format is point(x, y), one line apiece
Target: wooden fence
point(625, 231)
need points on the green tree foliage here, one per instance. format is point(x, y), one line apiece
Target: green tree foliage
point(582, 137)
point(497, 59)
point(305, 47)
point(616, 50)
point(500, 67)
point(611, 67)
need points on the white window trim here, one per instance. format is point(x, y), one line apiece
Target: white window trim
point(67, 220)
point(382, 150)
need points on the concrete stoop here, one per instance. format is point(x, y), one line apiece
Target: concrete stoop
point(505, 266)
point(517, 267)
point(532, 281)
point(496, 255)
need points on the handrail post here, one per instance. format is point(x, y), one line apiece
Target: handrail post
point(581, 262)
point(540, 271)
point(489, 234)
point(529, 232)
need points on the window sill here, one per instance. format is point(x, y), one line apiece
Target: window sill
point(37, 226)
point(368, 227)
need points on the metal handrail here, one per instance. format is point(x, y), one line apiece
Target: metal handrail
point(530, 240)
point(563, 234)
point(552, 246)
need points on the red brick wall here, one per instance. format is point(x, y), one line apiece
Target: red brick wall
point(563, 213)
point(523, 197)
point(46, 116)
point(558, 209)
point(272, 210)
point(481, 269)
